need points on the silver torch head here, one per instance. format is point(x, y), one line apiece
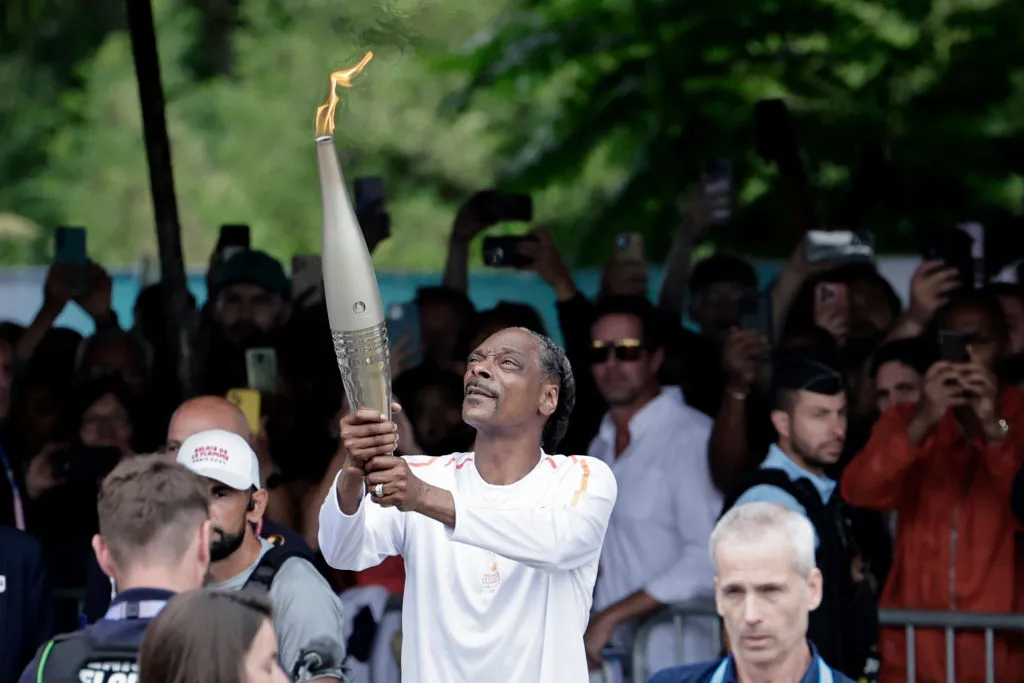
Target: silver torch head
point(354, 305)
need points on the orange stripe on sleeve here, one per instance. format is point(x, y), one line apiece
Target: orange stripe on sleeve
point(583, 484)
point(428, 463)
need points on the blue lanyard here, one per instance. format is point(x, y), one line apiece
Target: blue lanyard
point(824, 672)
point(19, 508)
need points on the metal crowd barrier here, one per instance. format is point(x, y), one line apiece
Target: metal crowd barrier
point(675, 615)
point(951, 622)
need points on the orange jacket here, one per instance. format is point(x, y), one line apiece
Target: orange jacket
point(954, 540)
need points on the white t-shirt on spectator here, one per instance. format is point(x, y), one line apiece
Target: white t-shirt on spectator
point(505, 595)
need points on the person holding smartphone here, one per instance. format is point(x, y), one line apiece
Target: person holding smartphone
point(946, 465)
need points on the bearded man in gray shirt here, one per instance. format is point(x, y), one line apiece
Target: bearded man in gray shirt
point(307, 613)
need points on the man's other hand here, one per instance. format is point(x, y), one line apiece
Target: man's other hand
point(394, 479)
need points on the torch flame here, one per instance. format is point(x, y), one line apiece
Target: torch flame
point(325, 112)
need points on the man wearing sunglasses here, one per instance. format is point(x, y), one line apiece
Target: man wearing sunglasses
point(655, 551)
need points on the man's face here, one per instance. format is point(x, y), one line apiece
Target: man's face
point(120, 357)
point(896, 384)
point(986, 347)
point(229, 511)
point(623, 369)
point(245, 309)
point(1013, 307)
point(816, 428)
point(762, 598)
point(6, 374)
point(504, 383)
point(717, 307)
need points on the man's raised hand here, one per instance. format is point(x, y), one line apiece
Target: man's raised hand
point(366, 434)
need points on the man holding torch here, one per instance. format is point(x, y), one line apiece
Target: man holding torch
point(501, 545)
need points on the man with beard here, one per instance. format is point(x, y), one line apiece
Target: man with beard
point(307, 613)
point(249, 306)
point(655, 551)
point(252, 297)
point(810, 418)
point(501, 544)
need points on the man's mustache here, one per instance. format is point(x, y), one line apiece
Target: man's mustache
point(480, 386)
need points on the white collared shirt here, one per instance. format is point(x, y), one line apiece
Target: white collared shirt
point(657, 537)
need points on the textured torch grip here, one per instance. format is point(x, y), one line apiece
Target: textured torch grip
point(365, 366)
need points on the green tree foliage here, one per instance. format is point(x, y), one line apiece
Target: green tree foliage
point(604, 110)
point(242, 142)
point(656, 87)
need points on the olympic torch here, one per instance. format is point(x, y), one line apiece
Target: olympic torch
point(354, 305)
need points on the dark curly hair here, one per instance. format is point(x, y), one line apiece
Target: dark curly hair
point(554, 363)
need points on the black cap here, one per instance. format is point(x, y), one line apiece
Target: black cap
point(807, 369)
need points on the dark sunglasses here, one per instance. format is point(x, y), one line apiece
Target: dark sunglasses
point(626, 350)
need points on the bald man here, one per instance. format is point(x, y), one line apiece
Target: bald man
point(204, 413)
point(195, 415)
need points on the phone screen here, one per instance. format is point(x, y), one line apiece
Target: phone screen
point(756, 314)
point(953, 346)
point(630, 245)
point(69, 246)
point(503, 252)
point(718, 188)
point(261, 369)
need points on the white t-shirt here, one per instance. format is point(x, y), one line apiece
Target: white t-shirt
point(504, 596)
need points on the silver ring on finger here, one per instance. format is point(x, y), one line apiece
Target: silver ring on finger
point(378, 490)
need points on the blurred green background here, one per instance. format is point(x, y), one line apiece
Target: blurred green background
point(603, 109)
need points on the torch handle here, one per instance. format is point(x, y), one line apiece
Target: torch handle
point(365, 366)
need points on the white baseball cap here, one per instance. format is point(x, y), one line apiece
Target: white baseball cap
point(222, 456)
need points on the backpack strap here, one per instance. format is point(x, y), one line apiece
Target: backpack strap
point(271, 563)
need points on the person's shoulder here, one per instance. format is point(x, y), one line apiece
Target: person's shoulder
point(769, 493)
point(688, 673)
point(19, 542)
point(299, 572)
point(585, 465)
point(682, 422)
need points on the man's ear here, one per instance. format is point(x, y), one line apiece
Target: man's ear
point(814, 589)
point(103, 556)
point(205, 533)
point(657, 358)
point(781, 422)
point(258, 506)
point(548, 398)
